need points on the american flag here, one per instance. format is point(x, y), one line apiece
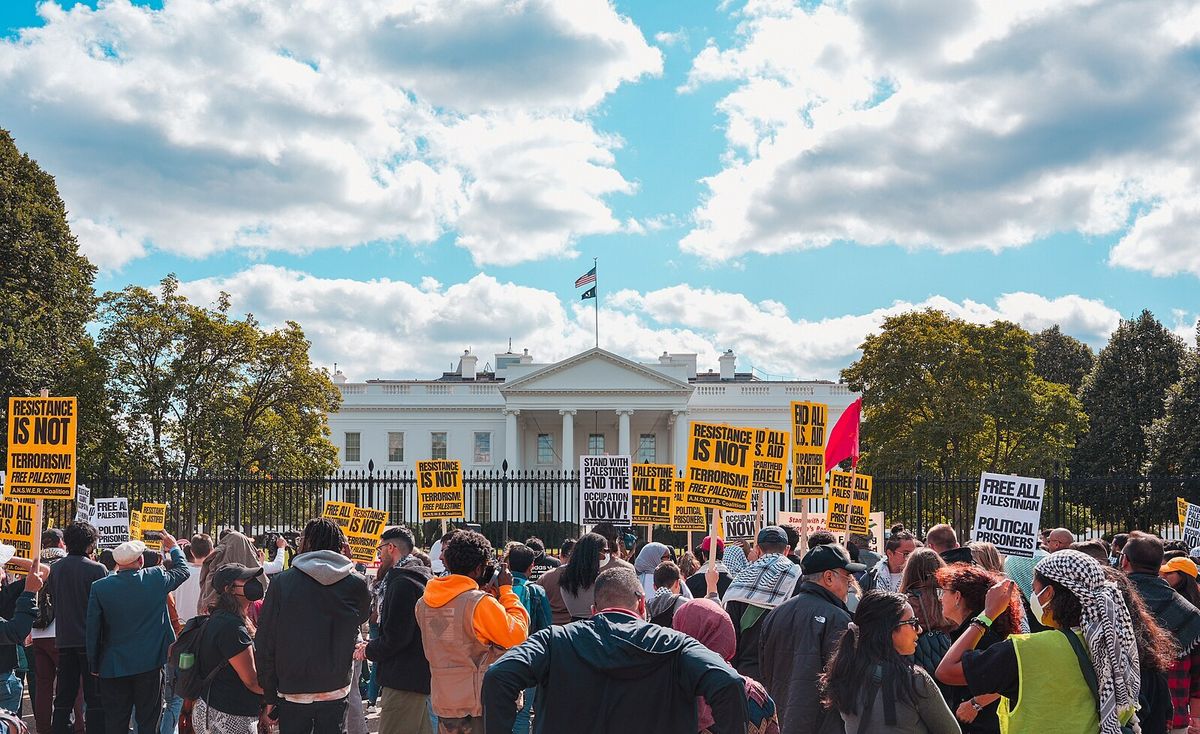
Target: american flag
point(588, 277)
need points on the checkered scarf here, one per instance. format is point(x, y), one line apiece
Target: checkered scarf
point(767, 583)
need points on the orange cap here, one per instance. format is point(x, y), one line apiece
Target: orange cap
point(1182, 565)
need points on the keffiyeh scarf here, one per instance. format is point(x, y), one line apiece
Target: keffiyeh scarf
point(767, 583)
point(1107, 630)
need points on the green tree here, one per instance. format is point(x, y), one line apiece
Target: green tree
point(1061, 359)
point(46, 300)
point(1174, 439)
point(1125, 392)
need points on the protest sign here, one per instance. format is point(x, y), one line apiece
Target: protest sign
point(41, 448)
point(340, 512)
point(653, 487)
point(440, 490)
point(877, 532)
point(1181, 506)
point(770, 460)
point(738, 525)
point(154, 516)
point(111, 518)
point(1008, 513)
point(135, 525)
point(849, 502)
point(719, 468)
point(366, 525)
point(808, 449)
point(16, 529)
point(797, 520)
point(1191, 526)
point(685, 517)
point(606, 490)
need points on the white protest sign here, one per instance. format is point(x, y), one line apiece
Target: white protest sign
point(816, 521)
point(111, 518)
point(1009, 512)
point(83, 499)
point(1191, 526)
point(606, 490)
point(738, 525)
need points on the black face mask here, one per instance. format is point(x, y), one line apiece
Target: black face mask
point(253, 590)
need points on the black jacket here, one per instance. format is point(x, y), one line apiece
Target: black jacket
point(698, 585)
point(309, 624)
point(797, 638)
point(20, 610)
point(397, 650)
point(614, 673)
point(70, 586)
point(1170, 609)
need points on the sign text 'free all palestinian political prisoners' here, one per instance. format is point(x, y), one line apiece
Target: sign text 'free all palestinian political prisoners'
point(440, 490)
point(111, 518)
point(653, 487)
point(719, 466)
point(41, 448)
point(808, 449)
point(849, 503)
point(685, 517)
point(606, 490)
point(1008, 513)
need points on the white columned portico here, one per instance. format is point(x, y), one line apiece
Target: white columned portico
point(568, 440)
point(681, 437)
point(512, 441)
point(623, 431)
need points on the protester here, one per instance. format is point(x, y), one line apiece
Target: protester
point(1059, 539)
point(1180, 574)
point(872, 683)
point(307, 631)
point(279, 563)
point(963, 589)
point(233, 701)
point(885, 575)
point(870, 558)
point(565, 548)
point(944, 541)
point(1157, 654)
point(465, 628)
point(660, 608)
point(128, 634)
point(542, 563)
point(1041, 675)
point(920, 586)
point(70, 586)
point(185, 601)
point(696, 582)
point(42, 648)
point(688, 565)
point(520, 560)
point(1095, 548)
point(399, 657)
point(987, 555)
point(615, 671)
point(587, 561)
point(15, 629)
point(756, 590)
point(1141, 560)
point(794, 648)
point(435, 552)
point(646, 561)
point(233, 547)
point(551, 583)
point(706, 622)
point(1118, 544)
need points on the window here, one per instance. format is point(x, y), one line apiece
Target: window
point(395, 447)
point(354, 446)
point(646, 453)
point(545, 448)
point(437, 445)
point(595, 444)
point(483, 447)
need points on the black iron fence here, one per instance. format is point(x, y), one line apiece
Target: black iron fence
point(517, 504)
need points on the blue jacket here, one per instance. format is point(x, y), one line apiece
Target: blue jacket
point(128, 630)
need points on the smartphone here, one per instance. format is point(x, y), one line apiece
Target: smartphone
point(152, 535)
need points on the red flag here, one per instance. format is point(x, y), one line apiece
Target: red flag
point(843, 439)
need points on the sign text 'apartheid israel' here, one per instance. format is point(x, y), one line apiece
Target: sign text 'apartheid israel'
point(440, 490)
point(719, 466)
point(808, 449)
point(653, 487)
point(770, 460)
point(1008, 513)
point(605, 490)
point(685, 517)
point(41, 448)
point(849, 503)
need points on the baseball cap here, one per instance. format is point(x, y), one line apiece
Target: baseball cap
point(128, 552)
point(828, 558)
point(230, 572)
point(1182, 565)
point(772, 534)
point(7, 552)
point(705, 544)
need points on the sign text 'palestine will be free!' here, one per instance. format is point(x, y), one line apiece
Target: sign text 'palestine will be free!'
point(719, 466)
point(41, 448)
point(440, 490)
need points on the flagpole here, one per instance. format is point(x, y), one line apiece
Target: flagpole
point(596, 285)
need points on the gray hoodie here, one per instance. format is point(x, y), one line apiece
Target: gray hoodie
point(324, 566)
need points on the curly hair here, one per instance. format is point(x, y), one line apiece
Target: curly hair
point(80, 537)
point(973, 583)
point(465, 551)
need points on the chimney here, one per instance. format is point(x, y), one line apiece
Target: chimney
point(339, 377)
point(466, 365)
point(664, 359)
point(728, 361)
point(526, 357)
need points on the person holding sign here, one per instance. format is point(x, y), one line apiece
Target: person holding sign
point(756, 590)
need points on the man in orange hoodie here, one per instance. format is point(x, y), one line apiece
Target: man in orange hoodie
point(465, 628)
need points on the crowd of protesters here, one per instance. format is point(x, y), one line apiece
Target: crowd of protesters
point(783, 634)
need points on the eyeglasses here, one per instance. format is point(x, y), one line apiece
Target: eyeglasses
point(940, 592)
point(914, 623)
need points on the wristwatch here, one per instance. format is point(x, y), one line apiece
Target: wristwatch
point(975, 705)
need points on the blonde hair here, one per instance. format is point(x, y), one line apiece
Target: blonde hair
point(986, 555)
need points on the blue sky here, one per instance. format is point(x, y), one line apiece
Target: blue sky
point(396, 182)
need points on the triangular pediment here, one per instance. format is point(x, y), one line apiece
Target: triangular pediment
point(596, 371)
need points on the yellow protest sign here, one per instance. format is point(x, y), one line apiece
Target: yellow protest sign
point(686, 517)
point(440, 490)
point(719, 466)
point(849, 503)
point(41, 448)
point(1181, 508)
point(366, 525)
point(770, 460)
point(16, 529)
point(154, 516)
point(135, 525)
point(340, 512)
point(653, 487)
point(808, 449)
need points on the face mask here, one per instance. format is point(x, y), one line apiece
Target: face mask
point(1035, 606)
point(253, 590)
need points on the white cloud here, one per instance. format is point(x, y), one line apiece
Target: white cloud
point(272, 125)
point(1164, 241)
point(954, 126)
point(389, 328)
point(672, 38)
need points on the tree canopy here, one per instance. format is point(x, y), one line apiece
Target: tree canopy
point(1060, 358)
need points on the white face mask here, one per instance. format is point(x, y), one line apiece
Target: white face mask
point(1035, 606)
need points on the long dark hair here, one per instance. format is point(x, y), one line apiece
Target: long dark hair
point(1157, 648)
point(848, 680)
point(584, 566)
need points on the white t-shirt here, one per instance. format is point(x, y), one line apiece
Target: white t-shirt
point(435, 558)
point(187, 596)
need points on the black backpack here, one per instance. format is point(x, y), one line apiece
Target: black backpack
point(186, 650)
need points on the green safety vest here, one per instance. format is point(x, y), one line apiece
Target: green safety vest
point(1054, 698)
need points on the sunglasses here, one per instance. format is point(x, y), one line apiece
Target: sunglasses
point(914, 623)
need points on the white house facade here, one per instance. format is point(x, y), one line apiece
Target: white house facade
point(544, 416)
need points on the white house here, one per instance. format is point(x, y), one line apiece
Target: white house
point(543, 416)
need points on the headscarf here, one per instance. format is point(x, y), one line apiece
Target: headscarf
point(233, 548)
point(647, 560)
point(1107, 629)
point(1021, 570)
point(708, 624)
